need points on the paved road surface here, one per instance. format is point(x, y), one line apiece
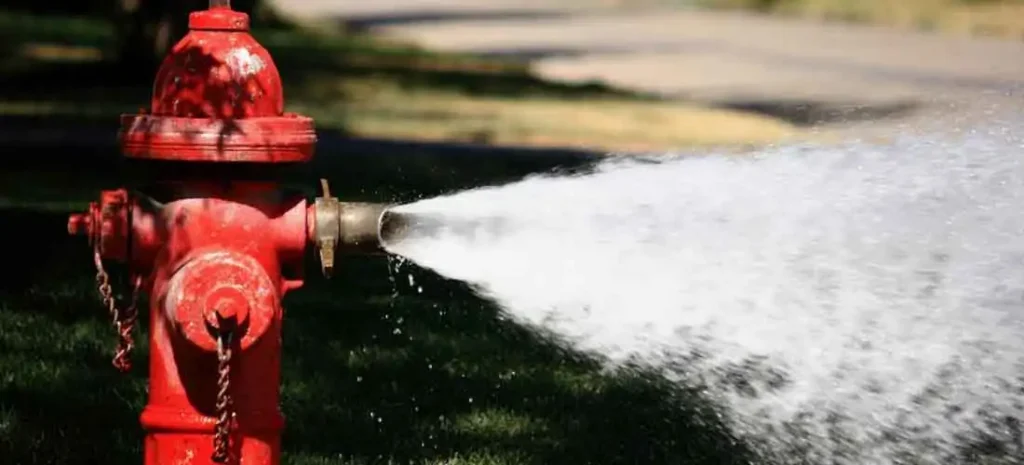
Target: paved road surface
point(807, 72)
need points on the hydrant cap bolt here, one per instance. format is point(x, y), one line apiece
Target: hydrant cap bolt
point(80, 224)
point(226, 303)
point(105, 224)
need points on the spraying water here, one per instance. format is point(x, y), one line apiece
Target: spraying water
point(861, 304)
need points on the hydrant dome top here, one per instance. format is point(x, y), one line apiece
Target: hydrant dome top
point(218, 96)
point(218, 73)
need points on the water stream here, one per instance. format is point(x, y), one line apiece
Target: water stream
point(852, 304)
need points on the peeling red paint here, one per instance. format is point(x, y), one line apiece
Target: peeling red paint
point(215, 246)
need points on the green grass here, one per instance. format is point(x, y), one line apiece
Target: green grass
point(373, 372)
point(368, 87)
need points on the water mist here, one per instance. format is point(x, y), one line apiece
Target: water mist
point(856, 304)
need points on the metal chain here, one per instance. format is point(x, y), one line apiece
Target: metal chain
point(124, 321)
point(224, 405)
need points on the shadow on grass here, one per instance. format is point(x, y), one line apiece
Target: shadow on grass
point(808, 113)
point(365, 23)
point(374, 372)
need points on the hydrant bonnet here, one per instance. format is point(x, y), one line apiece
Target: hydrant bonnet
point(218, 98)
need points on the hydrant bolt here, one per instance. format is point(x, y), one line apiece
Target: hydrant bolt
point(80, 224)
point(226, 303)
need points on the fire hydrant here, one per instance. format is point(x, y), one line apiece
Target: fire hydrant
point(215, 255)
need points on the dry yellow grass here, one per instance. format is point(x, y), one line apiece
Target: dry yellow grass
point(382, 107)
point(602, 124)
point(1000, 20)
point(997, 18)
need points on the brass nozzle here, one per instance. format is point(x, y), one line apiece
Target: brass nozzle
point(360, 225)
point(396, 226)
point(344, 227)
point(392, 226)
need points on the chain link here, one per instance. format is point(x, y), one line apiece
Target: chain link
point(124, 321)
point(224, 405)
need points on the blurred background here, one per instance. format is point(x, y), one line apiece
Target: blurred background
point(593, 74)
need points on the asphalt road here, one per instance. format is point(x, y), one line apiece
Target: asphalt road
point(809, 73)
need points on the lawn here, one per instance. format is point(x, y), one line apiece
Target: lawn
point(374, 371)
point(370, 88)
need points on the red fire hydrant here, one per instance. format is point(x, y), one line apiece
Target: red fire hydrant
point(215, 255)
